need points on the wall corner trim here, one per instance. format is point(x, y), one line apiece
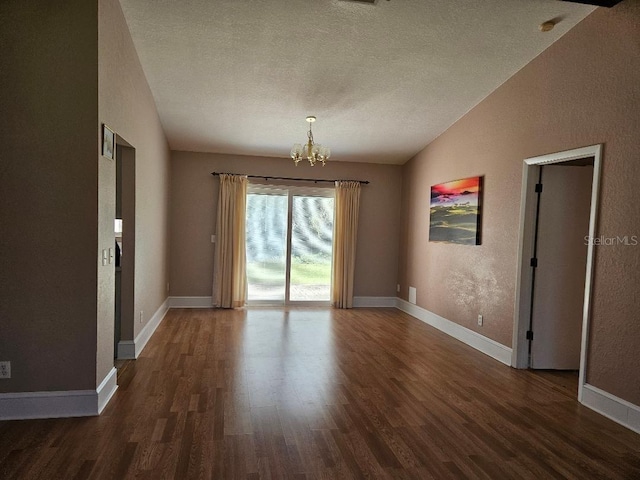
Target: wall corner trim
point(107, 389)
point(131, 349)
point(190, 302)
point(481, 343)
point(614, 408)
point(374, 302)
point(58, 404)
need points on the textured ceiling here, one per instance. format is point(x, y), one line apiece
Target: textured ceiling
point(240, 76)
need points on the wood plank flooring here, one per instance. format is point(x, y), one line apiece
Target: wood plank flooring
point(322, 394)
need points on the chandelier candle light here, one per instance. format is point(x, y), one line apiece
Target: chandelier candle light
point(313, 151)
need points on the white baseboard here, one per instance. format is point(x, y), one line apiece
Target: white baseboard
point(190, 302)
point(71, 403)
point(206, 302)
point(106, 389)
point(77, 403)
point(145, 334)
point(29, 405)
point(612, 407)
point(374, 302)
point(625, 413)
point(131, 349)
point(473, 339)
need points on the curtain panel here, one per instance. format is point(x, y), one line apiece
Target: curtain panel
point(229, 270)
point(345, 233)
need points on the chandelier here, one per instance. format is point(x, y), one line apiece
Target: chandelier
point(313, 152)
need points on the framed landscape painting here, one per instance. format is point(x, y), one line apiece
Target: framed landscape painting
point(455, 211)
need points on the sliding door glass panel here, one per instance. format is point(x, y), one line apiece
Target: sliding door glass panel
point(311, 248)
point(266, 247)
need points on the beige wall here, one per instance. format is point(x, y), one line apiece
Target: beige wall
point(48, 194)
point(56, 308)
point(194, 197)
point(127, 106)
point(583, 90)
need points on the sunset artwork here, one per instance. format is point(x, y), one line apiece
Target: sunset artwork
point(455, 212)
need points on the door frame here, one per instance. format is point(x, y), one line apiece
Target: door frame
point(127, 162)
point(519, 355)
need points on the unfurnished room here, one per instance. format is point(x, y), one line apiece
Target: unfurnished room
point(328, 239)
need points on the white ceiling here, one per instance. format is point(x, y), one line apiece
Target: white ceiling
point(384, 80)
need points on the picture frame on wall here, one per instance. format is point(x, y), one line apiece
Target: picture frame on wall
point(108, 142)
point(455, 215)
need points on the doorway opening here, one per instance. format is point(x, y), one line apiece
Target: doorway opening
point(125, 238)
point(289, 245)
point(555, 268)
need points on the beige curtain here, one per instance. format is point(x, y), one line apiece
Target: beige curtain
point(229, 270)
point(345, 232)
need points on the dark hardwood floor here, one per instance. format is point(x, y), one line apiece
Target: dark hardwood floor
point(323, 394)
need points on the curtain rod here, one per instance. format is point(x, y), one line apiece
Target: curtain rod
point(315, 180)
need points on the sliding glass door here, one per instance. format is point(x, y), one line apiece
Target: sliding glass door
point(289, 244)
point(266, 238)
point(311, 248)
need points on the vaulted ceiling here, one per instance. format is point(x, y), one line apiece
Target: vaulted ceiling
point(383, 79)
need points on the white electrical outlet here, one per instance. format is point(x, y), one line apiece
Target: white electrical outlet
point(480, 320)
point(398, 288)
point(167, 287)
point(141, 314)
point(5, 369)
